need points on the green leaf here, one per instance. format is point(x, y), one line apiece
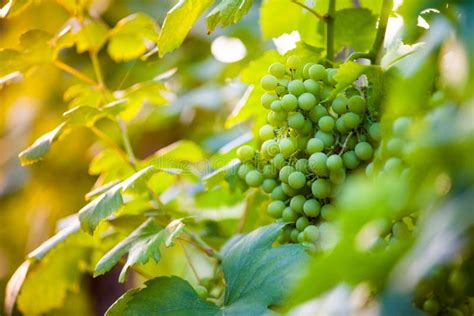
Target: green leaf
point(346, 75)
point(178, 22)
point(35, 47)
point(132, 37)
point(278, 17)
point(217, 176)
point(41, 146)
point(141, 245)
point(87, 115)
point(85, 95)
point(227, 12)
point(163, 296)
point(354, 28)
point(87, 35)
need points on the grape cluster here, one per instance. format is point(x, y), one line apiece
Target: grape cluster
point(312, 139)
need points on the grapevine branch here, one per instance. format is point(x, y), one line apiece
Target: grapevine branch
point(313, 12)
point(330, 17)
point(74, 72)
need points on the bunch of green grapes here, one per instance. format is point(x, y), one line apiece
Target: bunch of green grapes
point(311, 141)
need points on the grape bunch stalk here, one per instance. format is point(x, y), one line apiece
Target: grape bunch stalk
point(311, 142)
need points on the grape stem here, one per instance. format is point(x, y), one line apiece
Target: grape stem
point(74, 72)
point(200, 243)
point(345, 142)
point(329, 18)
point(313, 12)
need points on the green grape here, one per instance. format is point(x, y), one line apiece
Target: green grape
point(297, 180)
point(306, 101)
point(244, 169)
point(201, 291)
point(266, 132)
point(314, 145)
point(281, 90)
point(374, 132)
point(284, 82)
point(352, 142)
point(393, 165)
point(297, 202)
point(293, 62)
point(369, 170)
point(312, 207)
point(364, 151)
point(254, 178)
point(302, 165)
point(269, 185)
point(454, 312)
point(457, 281)
point(276, 106)
point(317, 163)
point(328, 212)
point(326, 92)
point(289, 215)
point(431, 306)
point(312, 86)
point(289, 102)
point(302, 223)
point(400, 230)
point(278, 161)
point(326, 138)
point(285, 173)
point(356, 104)
point(395, 146)
point(334, 162)
point(276, 118)
point(285, 235)
point(245, 153)
point(294, 235)
point(331, 72)
point(267, 99)
point(287, 146)
point(306, 70)
point(307, 129)
point(340, 127)
point(317, 112)
point(401, 126)
point(350, 160)
point(337, 176)
point(321, 188)
point(296, 87)
point(270, 148)
point(339, 105)
point(326, 123)
point(278, 194)
point(277, 69)
point(317, 72)
point(269, 171)
point(301, 237)
point(311, 233)
point(280, 116)
point(275, 209)
point(296, 120)
point(351, 120)
point(269, 82)
point(288, 189)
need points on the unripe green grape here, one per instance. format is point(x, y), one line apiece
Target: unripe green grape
point(294, 235)
point(369, 170)
point(337, 176)
point(276, 106)
point(269, 185)
point(254, 178)
point(270, 148)
point(326, 123)
point(352, 142)
point(296, 87)
point(317, 163)
point(326, 138)
point(401, 126)
point(245, 153)
point(277, 69)
point(280, 116)
point(273, 119)
point(281, 90)
point(307, 129)
point(285, 235)
point(312, 86)
point(275, 209)
point(356, 104)
point(297, 180)
point(269, 82)
point(285, 173)
point(201, 291)
point(288, 189)
point(293, 62)
point(375, 132)
point(457, 281)
point(278, 194)
point(302, 165)
point(267, 99)
point(306, 70)
point(306, 101)
point(311, 233)
point(297, 202)
point(284, 82)
point(328, 212)
point(278, 161)
point(289, 215)
point(244, 169)
point(325, 93)
point(269, 171)
point(321, 188)
point(350, 160)
point(393, 165)
point(363, 151)
point(395, 146)
point(351, 120)
point(312, 207)
point(287, 146)
point(289, 102)
point(317, 112)
point(400, 230)
point(296, 120)
point(301, 237)
point(302, 223)
point(331, 72)
point(340, 127)
point(334, 162)
point(431, 306)
point(339, 104)
point(314, 145)
point(317, 72)
point(266, 132)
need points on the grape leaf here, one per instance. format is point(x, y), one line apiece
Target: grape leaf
point(354, 28)
point(132, 37)
point(85, 95)
point(178, 22)
point(141, 245)
point(41, 146)
point(215, 177)
point(87, 35)
point(278, 17)
point(227, 12)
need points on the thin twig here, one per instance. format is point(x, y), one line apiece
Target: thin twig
point(203, 245)
point(74, 72)
point(312, 11)
point(109, 141)
point(188, 258)
point(126, 143)
point(345, 142)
